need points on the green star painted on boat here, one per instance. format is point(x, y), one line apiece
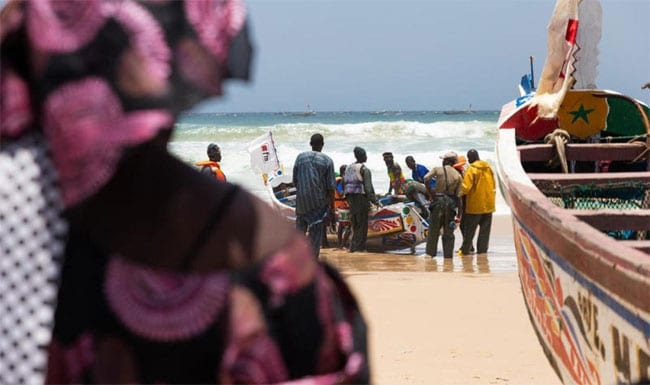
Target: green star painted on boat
point(581, 113)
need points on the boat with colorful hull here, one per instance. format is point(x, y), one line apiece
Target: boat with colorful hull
point(577, 181)
point(391, 226)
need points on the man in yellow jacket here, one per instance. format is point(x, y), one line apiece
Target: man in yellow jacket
point(480, 191)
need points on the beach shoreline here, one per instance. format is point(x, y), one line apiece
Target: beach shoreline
point(446, 321)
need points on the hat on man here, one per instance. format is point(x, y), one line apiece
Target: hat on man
point(448, 155)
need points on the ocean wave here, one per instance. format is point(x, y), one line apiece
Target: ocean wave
point(373, 131)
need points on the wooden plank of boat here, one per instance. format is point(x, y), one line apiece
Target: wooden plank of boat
point(643, 245)
point(593, 178)
point(609, 219)
point(583, 151)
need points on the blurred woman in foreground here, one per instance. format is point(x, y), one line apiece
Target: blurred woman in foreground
point(119, 262)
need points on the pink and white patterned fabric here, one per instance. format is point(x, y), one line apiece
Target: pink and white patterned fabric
point(83, 82)
point(164, 306)
point(70, 24)
point(95, 106)
point(88, 129)
point(16, 111)
point(32, 240)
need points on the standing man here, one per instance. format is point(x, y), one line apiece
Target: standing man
point(445, 198)
point(395, 177)
point(480, 190)
point(357, 184)
point(212, 166)
point(313, 177)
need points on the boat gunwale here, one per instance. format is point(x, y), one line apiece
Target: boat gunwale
point(616, 266)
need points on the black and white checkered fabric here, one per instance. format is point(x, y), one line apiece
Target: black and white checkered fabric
point(32, 240)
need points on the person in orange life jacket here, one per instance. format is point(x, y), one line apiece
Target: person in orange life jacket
point(212, 166)
point(343, 227)
point(460, 165)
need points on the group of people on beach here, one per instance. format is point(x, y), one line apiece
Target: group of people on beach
point(460, 191)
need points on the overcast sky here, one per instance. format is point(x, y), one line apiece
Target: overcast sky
point(418, 55)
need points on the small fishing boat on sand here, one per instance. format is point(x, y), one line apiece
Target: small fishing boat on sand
point(391, 226)
point(574, 166)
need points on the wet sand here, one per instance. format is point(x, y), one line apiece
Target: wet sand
point(446, 321)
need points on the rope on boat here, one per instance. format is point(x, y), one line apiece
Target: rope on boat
point(645, 150)
point(559, 138)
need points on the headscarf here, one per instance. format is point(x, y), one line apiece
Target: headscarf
point(81, 83)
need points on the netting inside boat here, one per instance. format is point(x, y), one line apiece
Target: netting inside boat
point(593, 198)
point(630, 195)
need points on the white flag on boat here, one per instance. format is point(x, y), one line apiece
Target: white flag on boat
point(572, 53)
point(264, 158)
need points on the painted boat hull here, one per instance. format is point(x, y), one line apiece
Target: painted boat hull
point(588, 295)
point(397, 225)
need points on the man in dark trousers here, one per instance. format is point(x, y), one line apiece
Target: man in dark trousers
point(445, 198)
point(357, 184)
point(313, 177)
point(480, 190)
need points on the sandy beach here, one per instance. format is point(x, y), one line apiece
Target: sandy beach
point(436, 321)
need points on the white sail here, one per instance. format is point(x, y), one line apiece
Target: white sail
point(572, 53)
point(589, 32)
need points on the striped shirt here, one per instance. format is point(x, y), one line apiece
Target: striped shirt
point(313, 177)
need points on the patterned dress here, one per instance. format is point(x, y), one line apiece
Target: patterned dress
point(89, 92)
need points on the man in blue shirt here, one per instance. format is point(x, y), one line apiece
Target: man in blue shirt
point(417, 191)
point(313, 177)
point(418, 171)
